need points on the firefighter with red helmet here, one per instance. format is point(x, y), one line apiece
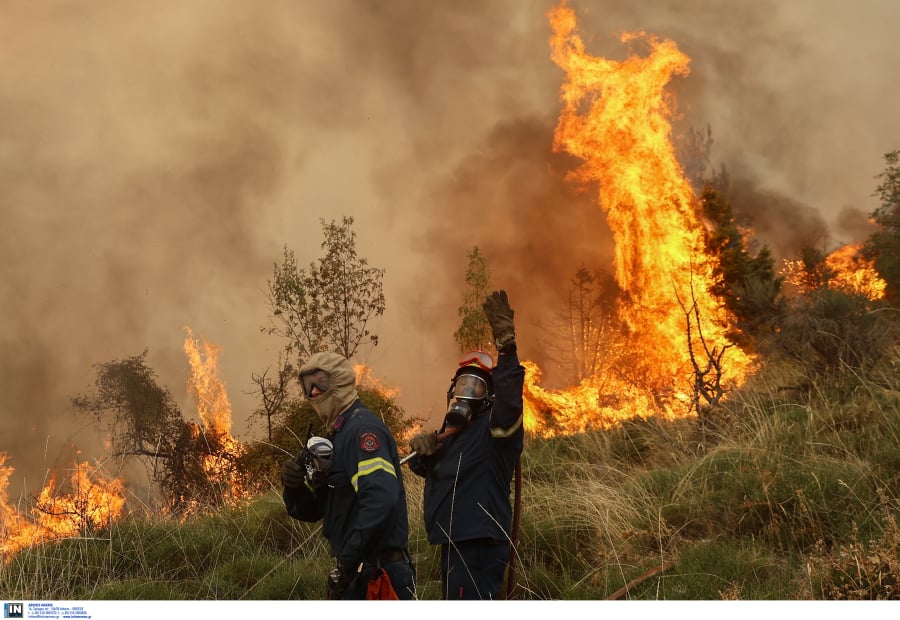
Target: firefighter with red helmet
point(467, 474)
point(352, 481)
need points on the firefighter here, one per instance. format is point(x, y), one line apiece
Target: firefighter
point(468, 472)
point(352, 481)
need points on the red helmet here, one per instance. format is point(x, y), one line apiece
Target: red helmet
point(479, 359)
point(473, 381)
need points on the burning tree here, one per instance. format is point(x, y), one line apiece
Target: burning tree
point(585, 336)
point(191, 464)
point(140, 417)
point(615, 119)
point(831, 322)
point(218, 480)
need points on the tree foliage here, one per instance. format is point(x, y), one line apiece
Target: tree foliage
point(143, 421)
point(884, 245)
point(829, 330)
point(748, 284)
point(327, 306)
point(141, 416)
point(474, 332)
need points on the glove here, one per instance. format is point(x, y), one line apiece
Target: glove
point(500, 316)
point(336, 585)
point(292, 474)
point(424, 444)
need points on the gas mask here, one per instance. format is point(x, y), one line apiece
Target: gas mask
point(316, 459)
point(469, 396)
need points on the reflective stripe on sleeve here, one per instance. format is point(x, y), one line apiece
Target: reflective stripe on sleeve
point(500, 433)
point(370, 466)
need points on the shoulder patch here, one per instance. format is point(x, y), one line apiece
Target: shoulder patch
point(368, 442)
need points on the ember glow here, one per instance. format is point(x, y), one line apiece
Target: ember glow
point(616, 118)
point(85, 503)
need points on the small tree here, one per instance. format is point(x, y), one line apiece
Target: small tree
point(747, 284)
point(144, 422)
point(474, 331)
point(141, 416)
point(884, 245)
point(329, 305)
point(273, 392)
point(587, 324)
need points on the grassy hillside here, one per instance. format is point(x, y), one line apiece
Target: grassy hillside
point(790, 490)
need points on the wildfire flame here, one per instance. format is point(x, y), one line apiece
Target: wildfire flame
point(848, 271)
point(92, 502)
point(365, 377)
point(214, 410)
point(615, 118)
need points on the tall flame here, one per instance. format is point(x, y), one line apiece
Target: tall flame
point(213, 405)
point(615, 118)
point(214, 410)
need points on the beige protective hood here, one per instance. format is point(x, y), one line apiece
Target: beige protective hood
point(342, 387)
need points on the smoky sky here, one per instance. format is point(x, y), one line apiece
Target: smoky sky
point(155, 159)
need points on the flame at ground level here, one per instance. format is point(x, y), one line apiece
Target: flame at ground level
point(616, 119)
point(591, 406)
point(91, 502)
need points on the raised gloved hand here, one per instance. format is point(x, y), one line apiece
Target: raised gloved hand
point(424, 444)
point(292, 474)
point(500, 316)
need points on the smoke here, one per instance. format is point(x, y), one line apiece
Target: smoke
point(154, 161)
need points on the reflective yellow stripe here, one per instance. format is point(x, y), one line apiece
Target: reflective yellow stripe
point(364, 468)
point(501, 433)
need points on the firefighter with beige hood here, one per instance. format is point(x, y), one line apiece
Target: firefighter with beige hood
point(352, 481)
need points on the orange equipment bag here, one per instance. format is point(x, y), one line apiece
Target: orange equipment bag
point(380, 588)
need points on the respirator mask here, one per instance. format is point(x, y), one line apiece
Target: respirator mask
point(468, 397)
point(316, 459)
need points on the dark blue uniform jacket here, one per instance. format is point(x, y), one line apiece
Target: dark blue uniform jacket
point(363, 505)
point(467, 480)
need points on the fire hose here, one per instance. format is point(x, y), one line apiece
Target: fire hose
point(513, 552)
point(517, 509)
point(447, 433)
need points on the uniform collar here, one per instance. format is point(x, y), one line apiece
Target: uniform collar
point(345, 416)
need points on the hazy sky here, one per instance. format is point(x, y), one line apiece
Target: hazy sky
point(155, 158)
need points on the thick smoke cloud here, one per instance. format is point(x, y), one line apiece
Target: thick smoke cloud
point(154, 161)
